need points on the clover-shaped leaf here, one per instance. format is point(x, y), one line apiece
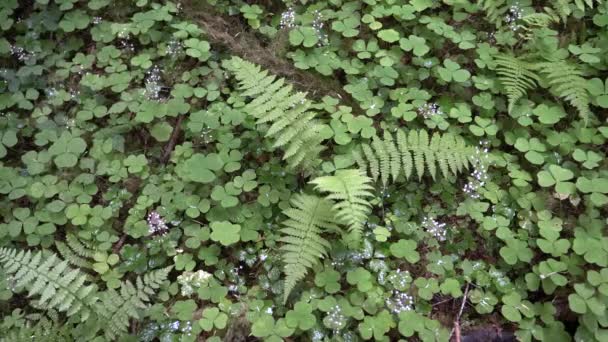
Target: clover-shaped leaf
point(405, 249)
point(415, 44)
point(426, 287)
point(225, 232)
point(201, 168)
point(306, 36)
point(514, 307)
point(347, 26)
point(549, 115)
point(197, 48)
point(483, 126)
point(300, 317)
point(226, 195)
point(452, 71)
point(361, 278)
point(184, 309)
point(212, 317)
point(532, 148)
point(589, 159)
point(376, 326)
point(516, 250)
point(388, 35)
point(597, 187)
point(558, 176)
point(329, 280)
point(451, 286)
point(67, 149)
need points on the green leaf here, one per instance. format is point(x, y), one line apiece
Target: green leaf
point(388, 35)
point(225, 232)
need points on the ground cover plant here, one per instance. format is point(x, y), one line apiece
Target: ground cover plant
point(229, 170)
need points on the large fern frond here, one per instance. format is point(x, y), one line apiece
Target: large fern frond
point(350, 190)
point(385, 159)
point(567, 82)
point(291, 124)
point(516, 76)
point(303, 246)
point(59, 286)
point(117, 307)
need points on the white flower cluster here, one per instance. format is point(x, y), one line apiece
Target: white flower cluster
point(479, 176)
point(317, 25)
point(174, 47)
point(126, 45)
point(400, 279)
point(152, 82)
point(399, 302)
point(97, 20)
point(515, 13)
point(190, 281)
point(435, 228)
point(430, 110)
point(21, 54)
point(288, 18)
point(156, 224)
point(335, 319)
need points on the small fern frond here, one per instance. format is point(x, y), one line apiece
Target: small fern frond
point(59, 286)
point(495, 9)
point(350, 190)
point(516, 77)
point(414, 151)
point(117, 307)
point(303, 246)
point(292, 125)
point(74, 251)
point(567, 82)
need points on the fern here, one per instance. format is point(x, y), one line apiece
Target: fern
point(516, 76)
point(568, 83)
point(413, 151)
point(495, 9)
point(40, 330)
point(304, 246)
point(59, 286)
point(349, 189)
point(292, 126)
point(117, 307)
point(74, 251)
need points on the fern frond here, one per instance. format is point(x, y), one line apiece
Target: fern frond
point(43, 330)
point(292, 125)
point(516, 77)
point(414, 151)
point(303, 245)
point(349, 189)
point(495, 9)
point(74, 251)
point(567, 82)
point(59, 286)
point(117, 307)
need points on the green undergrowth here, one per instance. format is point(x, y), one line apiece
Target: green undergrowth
point(223, 170)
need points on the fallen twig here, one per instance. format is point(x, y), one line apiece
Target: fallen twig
point(456, 328)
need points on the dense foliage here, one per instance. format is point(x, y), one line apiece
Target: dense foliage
point(326, 170)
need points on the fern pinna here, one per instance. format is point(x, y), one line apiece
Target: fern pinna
point(59, 286)
point(117, 307)
point(390, 157)
point(303, 246)
point(292, 124)
point(349, 190)
point(568, 83)
point(516, 76)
